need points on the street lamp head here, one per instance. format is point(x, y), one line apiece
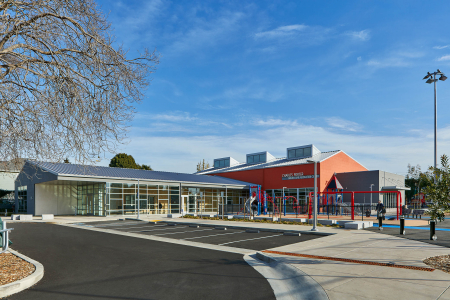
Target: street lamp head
point(430, 80)
point(443, 77)
point(426, 76)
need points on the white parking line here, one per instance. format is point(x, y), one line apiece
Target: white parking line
point(200, 237)
point(149, 225)
point(117, 224)
point(157, 229)
point(184, 231)
point(264, 237)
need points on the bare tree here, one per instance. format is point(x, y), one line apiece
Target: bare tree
point(202, 165)
point(66, 89)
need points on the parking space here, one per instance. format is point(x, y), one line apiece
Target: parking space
point(246, 238)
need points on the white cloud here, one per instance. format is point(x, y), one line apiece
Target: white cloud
point(444, 58)
point(363, 35)
point(174, 117)
point(440, 47)
point(281, 31)
point(359, 58)
point(342, 124)
point(388, 153)
point(274, 122)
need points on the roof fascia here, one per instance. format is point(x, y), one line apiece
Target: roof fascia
point(111, 179)
point(43, 168)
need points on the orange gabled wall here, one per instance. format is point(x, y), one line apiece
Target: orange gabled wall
point(338, 163)
point(271, 178)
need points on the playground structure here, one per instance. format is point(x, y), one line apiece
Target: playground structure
point(330, 202)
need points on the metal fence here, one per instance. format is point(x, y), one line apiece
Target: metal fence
point(4, 236)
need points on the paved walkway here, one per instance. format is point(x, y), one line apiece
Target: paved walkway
point(346, 280)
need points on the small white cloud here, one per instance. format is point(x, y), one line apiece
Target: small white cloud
point(340, 123)
point(363, 35)
point(359, 58)
point(440, 47)
point(444, 58)
point(176, 117)
point(281, 31)
point(274, 122)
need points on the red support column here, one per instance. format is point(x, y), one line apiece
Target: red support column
point(353, 206)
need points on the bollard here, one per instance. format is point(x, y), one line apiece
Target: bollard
point(380, 222)
point(433, 230)
point(402, 225)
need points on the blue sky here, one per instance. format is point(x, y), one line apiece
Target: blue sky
point(238, 77)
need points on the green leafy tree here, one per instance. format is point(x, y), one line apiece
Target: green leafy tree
point(416, 180)
point(202, 165)
point(123, 160)
point(145, 167)
point(438, 190)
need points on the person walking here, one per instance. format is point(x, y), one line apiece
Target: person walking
point(380, 210)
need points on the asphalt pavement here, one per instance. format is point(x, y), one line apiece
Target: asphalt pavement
point(231, 237)
point(83, 264)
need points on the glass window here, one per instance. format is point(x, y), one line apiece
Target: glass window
point(227, 162)
point(222, 164)
point(307, 152)
point(250, 159)
point(262, 157)
point(216, 164)
point(291, 153)
point(299, 153)
point(255, 158)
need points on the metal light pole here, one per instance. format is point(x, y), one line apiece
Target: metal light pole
point(432, 78)
point(223, 201)
point(371, 185)
point(139, 207)
point(281, 202)
point(315, 196)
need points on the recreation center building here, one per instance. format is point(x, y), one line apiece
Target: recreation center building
point(70, 189)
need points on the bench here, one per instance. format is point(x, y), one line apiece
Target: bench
point(407, 211)
point(418, 212)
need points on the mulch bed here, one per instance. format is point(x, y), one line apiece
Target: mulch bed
point(441, 262)
point(13, 268)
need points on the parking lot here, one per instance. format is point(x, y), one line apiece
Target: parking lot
point(89, 265)
point(246, 238)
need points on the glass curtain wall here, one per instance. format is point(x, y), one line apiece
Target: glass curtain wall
point(91, 199)
point(168, 199)
point(153, 199)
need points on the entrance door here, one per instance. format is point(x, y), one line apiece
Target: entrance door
point(184, 204)
point(90, 204)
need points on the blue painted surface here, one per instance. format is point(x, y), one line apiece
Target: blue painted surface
point(411, 227)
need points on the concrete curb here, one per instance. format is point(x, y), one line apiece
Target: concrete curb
point(20, 285)
point(286, 281)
